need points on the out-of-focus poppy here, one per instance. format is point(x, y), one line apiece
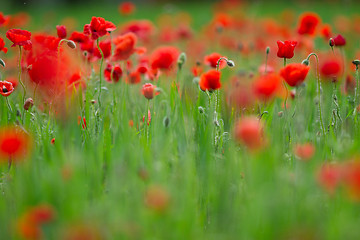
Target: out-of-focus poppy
point(15, 144)
point(3, 19)
point(164, 57)
point(157, 198)
point(249, 131)
point(331, 69)
point(266, 86)
point(143, 29)
point(61, 31)
point(116, 73)
point(124, 46)
point(286, 49)
point(105, 47)
point(20, 38)
point(210, 81)
point(2, 46)
point(134, 77)
point(98, 27)
point(212, 60)
point(148, 90)
point(304, 151)
point(6, 88)
point(126, 8)
point(339, 41)
point(326, 31)
point(329, 177)
point(308, 23)
point(294, 73)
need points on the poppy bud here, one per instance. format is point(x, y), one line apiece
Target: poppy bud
point(230, 63)
point(71, 44)
point(181, 60)
point(2, 63)
point(166, 121)
point(331, 42)
point(267, 50)
point(305, 62)
point(201, 110)
point(148, 90)
point(356, 62)
point(93, 101)
point(28, 103)
point(53, 141)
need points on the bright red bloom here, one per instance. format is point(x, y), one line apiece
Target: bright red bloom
point(116, 73)
point(249, 131)
point(212, 60)
point(352, 179)
point(339, 40)
point(304, 151)
point(14, 143)
point(308, 23)
point(2, 46)
point(6, 88)
point(286, 49)
point(19, 38)
point(105, 47)
point(98, 27)
point(79, 37)
point(267, 85)
point(61, 31)
point(143, 29)
point(124, 46)
point(148, 90)
point(3, 19)
point(52, 141)
point(126, 8)
point(329, 177)
point(294, 73)
point(331, 69)
point(326, 31)
point(134, 77)
point(210, 81)
point(164, 57)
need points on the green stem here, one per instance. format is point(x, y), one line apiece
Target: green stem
point(147, 121)
point(101, 63)
point(22, 84)
point(8, 104)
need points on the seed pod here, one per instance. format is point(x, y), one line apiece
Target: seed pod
point(230, 63)
point(2, 63)
point(28, 103)
point(181, 60)
point(71, 44)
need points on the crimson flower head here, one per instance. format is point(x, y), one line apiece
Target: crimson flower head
point(212, 60)
point(3, 19)
point(286, 49)
point(98, 27)
point(308, 23)
point(331, 69)
point(115, 71)
point(124, 46)
point(6, 88)
point(2, 46)
point(61, 31)
point(164, 57)
point(249, 131)
point(294, 74)
point(267, 85)
point(126, 8)
point(105, 47)
point(19, 38)
point(210, 80)
point(14, 143)
point(148, 90)
point(339, 40)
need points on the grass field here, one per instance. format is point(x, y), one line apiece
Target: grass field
point(218, 163)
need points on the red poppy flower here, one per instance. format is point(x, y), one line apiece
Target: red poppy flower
point(124, 46)
point(212, 60)
point(105, 47)
point(19, 38)
point(148, 90)
point(329, 177)
point(14, 143)
point(157, 198)
point(267, 85)
point(143, 29)
point(331, 69)
point(79, 37)
point(61, 31)
point(308, 23)
point(286, 49)
point(339, 40)
point(126, 8)
point(304, 151)
point(164, 57)
point(210, 80)
point(52, 141)
point(6, 88)
point(294, 73)
point(98, 27)
point(326, 31)
point(249, 131)
point(116, 73)
point(83, 122)
point(352, 179)
point(2, 46)
point(149, 118)
point(3, 19)
point(134, 78)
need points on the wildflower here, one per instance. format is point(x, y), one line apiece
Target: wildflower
point(339, 41)
point(52, 141)
point(266, 86)
point(6, 88)
point(3, 19)
point(249, 131)
point(14, 143)
point(295, 73)
point(164, 57)
point(286, 49)
point(61, 31)
point(124, 46)
point(148, 90)
point(304, 151)
point(308, 23)
point(98, 27)
point(331, 69)
point(156, 198)
point(2, 46)
point(210, 81)
point(19, 38)
point(105, 47)
point(116, 73)
point(212, 60)
point(134, 78)
point(329, 177)
point(126, 8)
point(28, 103)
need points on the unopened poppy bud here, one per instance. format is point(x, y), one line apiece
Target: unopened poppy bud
point(356, 62)
point(93, 101)
point(181, 60)
point(71, 44)
point(28, 103)
point(267, 50)
point(2, 63)
point(230, 63)
point(201, 110)
point(331, 42)
point(305, 62)
point(166, 121)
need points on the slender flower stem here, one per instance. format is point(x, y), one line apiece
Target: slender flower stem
point(101, 63)
point(318, 89)
point(8, 104)
point(147, 123)
point(22, 84)
point(356, 87)
point(266, 62)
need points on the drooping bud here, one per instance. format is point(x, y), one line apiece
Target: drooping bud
point(267, 50)
point(181, 60)
point(166, 121)
point(230, 63)
point(356, 62)
point(331, 42)
point(201, 109)
point(28, 103)
point(2, 63)
point(71, 44)
point(305, 62)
